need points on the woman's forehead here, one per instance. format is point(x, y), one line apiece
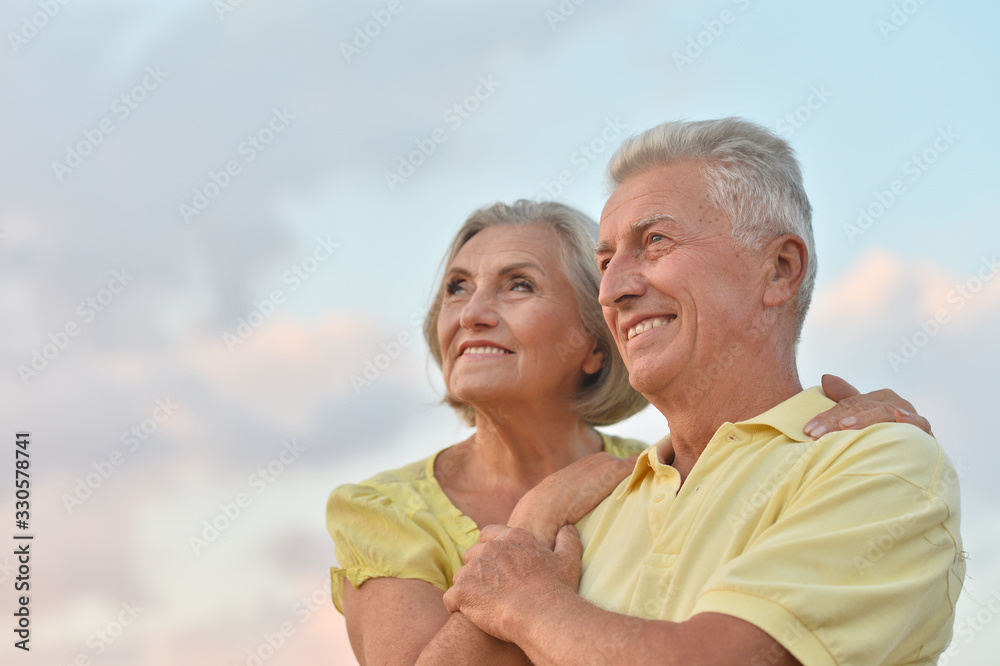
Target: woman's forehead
point(496, 246)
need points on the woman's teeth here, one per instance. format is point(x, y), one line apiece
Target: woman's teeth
point(484, 350)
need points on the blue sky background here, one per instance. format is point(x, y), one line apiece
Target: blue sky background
point(558, 83)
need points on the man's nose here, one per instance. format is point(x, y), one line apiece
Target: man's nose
point(621, 280)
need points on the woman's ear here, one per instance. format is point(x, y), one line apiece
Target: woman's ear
point(594, 360)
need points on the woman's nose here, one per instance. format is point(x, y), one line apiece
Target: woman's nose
point(479, 312)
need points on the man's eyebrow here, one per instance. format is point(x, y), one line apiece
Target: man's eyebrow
point(640, 225)
point(634, 228)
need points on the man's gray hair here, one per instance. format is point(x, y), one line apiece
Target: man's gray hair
point(751, 175)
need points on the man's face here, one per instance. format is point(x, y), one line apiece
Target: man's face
point(677, 292)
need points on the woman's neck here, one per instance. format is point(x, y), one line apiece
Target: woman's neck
point(512, 450)
point(516, 446)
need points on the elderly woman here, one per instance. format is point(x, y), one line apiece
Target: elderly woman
point(527, 359)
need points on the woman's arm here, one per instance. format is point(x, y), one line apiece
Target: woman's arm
point(461, 642)
point(561, 498)
point(404, 621)
point(855, 411)
point(389, 620)
point(401, 621)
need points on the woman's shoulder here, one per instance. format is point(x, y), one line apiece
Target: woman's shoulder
point(396, 524)
point(399, 485)
point(622, 447)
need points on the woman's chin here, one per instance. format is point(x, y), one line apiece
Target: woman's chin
point(482, 395)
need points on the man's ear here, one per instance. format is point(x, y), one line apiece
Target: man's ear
point(786, 261)
point(594, 360)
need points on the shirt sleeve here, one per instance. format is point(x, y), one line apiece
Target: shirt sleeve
point(864, 564)
point(378, 536)
point(620, 447)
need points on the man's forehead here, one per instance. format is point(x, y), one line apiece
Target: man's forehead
point(655, 191)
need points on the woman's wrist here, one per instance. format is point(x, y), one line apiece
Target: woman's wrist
point(542, 519)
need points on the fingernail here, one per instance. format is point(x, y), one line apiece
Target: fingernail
point(819, 431)
point(902, 411)
point(848, 421)
point(809, 427)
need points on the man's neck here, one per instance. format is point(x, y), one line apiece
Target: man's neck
point(695, 415)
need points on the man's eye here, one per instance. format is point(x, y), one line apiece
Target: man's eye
point(655, 238)
point(456, 287)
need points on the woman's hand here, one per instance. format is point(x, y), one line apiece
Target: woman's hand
point(855, 411)
point(568, 495)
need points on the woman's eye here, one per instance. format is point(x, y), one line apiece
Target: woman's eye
point(520, 284)
point(456, 287)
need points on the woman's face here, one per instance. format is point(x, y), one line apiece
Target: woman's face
point(509, 327)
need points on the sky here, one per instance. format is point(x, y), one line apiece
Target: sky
point(216, 217)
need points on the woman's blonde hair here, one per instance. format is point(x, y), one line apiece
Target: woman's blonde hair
point(606, 396)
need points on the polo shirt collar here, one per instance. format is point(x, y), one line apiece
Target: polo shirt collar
point(791, 416)
point(788, 417)
point(648, 462)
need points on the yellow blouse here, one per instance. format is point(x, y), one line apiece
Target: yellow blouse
point(400, 524)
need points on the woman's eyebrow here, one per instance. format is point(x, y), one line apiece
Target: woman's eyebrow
point(520, 265)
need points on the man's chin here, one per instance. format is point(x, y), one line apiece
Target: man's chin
point(651, 379)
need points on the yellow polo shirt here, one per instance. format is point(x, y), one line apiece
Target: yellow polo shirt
point(846, 550)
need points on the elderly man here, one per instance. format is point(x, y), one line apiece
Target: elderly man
point(736, 539)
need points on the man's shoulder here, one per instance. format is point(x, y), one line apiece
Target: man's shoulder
point(897, 449)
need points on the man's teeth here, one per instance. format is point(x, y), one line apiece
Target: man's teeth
point(644, 326)
point(485, 350)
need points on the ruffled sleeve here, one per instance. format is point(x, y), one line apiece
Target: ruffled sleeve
point(384, 531)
